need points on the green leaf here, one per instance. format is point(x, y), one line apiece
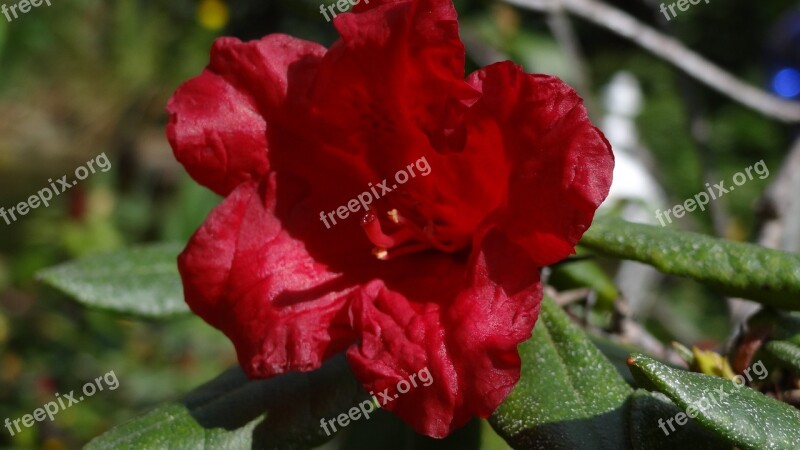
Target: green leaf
point(649, 413)
point(743, 270)
point(786, 352)
point(740, 415)
point(232, 412)
point(142, 281)
point(569, 396)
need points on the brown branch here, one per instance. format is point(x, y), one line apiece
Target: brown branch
point(672, 51)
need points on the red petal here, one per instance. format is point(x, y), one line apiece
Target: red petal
point(218, 120)
point(396, 78)
point(560, 165)
point(244, 274)
point(467, 344)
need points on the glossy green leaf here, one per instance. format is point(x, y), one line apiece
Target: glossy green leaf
point(142, 281)
point(569, 395)
point(650, 413)
point(232, 412)
point(740, 415)
point(743, 270)
point(786, 352)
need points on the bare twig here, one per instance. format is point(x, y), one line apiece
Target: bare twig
point(565, 298)
point(629, 332)
point(672, 51)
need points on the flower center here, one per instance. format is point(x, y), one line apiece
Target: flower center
point(406, 237)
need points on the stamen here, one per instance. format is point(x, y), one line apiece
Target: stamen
point(372, 227)
point(400, 251)
point(408, 238)
point(380, 253)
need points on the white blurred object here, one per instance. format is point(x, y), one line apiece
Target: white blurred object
point(634, 190)
point(633, 184)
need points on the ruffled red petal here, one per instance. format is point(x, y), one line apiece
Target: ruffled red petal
point(559, 165)
point(218, 120)
point(244, 274)
point(467, 344)
point(395, 80)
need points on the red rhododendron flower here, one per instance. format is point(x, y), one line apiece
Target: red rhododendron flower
point(442, 272)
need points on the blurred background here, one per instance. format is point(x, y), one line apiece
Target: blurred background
point(82, 78)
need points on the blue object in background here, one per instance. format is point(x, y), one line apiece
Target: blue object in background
point(786, 83)
point(783, 56)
